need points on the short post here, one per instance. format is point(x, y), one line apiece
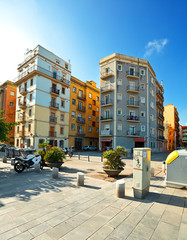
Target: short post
point(4, 159)
point(88, 157)
point(80, 179)
point(152, 172)
point(120, 188)
point(37, 167)
point(55, 172)
point(102, 158)
point(163, 167)
point(78, 156)
point(12, 162)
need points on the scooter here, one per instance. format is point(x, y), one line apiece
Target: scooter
point(21, 163)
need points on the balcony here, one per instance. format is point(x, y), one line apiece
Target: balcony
point(23, 91)
point(106, 133)
point(133, 134)
point(184, 139)
point(23, 119)
point(133, 119)
point(133, 104)
point(160, 126)
point(160, 95)
point(105, 75)
point(81, 96)
point(106, 103)
point(132, 89)
point(22, 105)
point(82, 109)
point(161, 138)
point(107, 118)
point(41, 70)
point(107, 88)
point(133, 75)
point(54, 105)
point(160, 105)
point(161, 116)
point(80, 120)
point(80, 132)
point(52, 134)
point(54, 90)
point(52, 119)
point(22, 133)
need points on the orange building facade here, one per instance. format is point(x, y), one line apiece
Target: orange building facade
point(184, 136)
point(8, 105)
point(84, 114)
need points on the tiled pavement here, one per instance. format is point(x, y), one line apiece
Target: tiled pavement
point(35, 206)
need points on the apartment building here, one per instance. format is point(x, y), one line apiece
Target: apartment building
point(184, 136)
point(128, 103)
point(8, 104)
point(169, 134)
point(161, 141)
point(84, 114)
point(43, 95)
point(171, 117)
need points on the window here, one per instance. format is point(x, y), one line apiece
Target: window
point(142, 128)
point(142, 86)
point(17, 143)
point(73, 101)
point(19, 88)
point(93, 113)
point(80, 93)
point(18, 129)
point(119, 126)
point(62, 117)
point(54, 74)
point(29, 128)
point(63, 103)
point(66, 66)
point(97, 109)
point(152, 80)
point(90, 117)
point(30, 98)
point(142, 114)
point(97, 119)
point(12, 93)
point(30, 112)
point(131, 100)
point(142, 100)
point(11, 104)
point(73, 114)
point(74, 89)
point(31, 82)
point(119, 96)
point(107, 114)
point(152, 105)
point(90, 95)
point(90, 106)
point(97, 130)
point(142, 72)
point(61, 130)
point(107, 70)
point(132, 130)
point(72, 126)
point(61, 143)
point(119, 82)
point(152, 117)
point(89, 129)
point(97, 99)
point(63, 90)
point(119, 67)
point(94, 102)
point(119, 112)
point(131, 71)
point(93, 124)
point(57, 62)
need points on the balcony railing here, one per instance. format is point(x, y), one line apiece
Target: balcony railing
point(107, 74)
point(160, 126)
point(52, 134)
point(22, 133)
point(133, 103)
point(23, 91)
point(161, 116)
point(22, 104)
point(81, 96)
point(133, 118)
point(159, 105)
point(80, 132)
point(184, 139)
point(55, 90)
point(53, 119)
point(160, 94)
point(161, 138)
point(132, 74)
point(106, 132)
point(106, 102)
point(42, 70)
point(106, 118)
point(54, 105)
point(132, 88)
point(80, 120)
point(82, 109)
point(135, 133)
point(108, 87)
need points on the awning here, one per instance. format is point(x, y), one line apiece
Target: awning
point(139, 140)
point(106, 140)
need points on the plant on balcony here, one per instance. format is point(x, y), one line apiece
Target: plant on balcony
point(114, 164)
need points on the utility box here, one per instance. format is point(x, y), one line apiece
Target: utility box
point(176, 169)
point(141, 171)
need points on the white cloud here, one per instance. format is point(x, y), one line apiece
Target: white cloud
point(155, 46)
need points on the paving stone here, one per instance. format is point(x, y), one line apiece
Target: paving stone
point(43, 236)
point(9, 234)
point(29, 225)
point(183, 232)
point(102, 233)
point(12, 224)
point(57, 220)
point(59, 231)
point(78, 219)
point(171, 218)
point(43, 227)
point(141, 232)
point(23, 236)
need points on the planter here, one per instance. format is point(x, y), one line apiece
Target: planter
point(57, 165)
point(112, 172)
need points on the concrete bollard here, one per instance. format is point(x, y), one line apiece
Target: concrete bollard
point(120, 188)
point(163, 167)
point(88, 157)
point(152, 172)
point(55, 172)
point(80, 179)
point(4, 159)
point(78, 156)
point(102, 158)
point(12, 162)
point(37, 167)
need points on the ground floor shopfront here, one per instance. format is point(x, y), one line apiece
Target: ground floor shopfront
point(79, 142)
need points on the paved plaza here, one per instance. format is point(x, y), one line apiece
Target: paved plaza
point(35, 206)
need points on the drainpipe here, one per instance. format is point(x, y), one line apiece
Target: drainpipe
point(148, 118)
point(115, 101)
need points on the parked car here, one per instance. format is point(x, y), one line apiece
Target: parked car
point(180, 148)
point(89, 148)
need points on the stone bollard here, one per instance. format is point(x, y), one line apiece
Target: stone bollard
point(152, 172)
point(78, 156)
point(101, 158)
point(37, 167)
point(163, 167)
point(88, 157)
point(80, 179)
point(120, 188)
point(4, 159)
point(55, 172)
point(12, 162)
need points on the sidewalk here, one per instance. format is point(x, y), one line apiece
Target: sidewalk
point(35, 206)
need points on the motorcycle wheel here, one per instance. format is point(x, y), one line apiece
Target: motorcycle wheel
point(18, 167)
point(41, 166)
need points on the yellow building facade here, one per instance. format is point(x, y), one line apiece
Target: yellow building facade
point(84, 114)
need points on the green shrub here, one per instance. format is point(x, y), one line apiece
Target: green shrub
point(54, 155)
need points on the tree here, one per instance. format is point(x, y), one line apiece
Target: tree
point(5, 127)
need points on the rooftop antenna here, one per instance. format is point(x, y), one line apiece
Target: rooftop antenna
point(162, 83)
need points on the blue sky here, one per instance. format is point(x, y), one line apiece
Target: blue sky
point(85, 31)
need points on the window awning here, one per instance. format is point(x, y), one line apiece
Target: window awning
point(106, 140)
point(139, 140)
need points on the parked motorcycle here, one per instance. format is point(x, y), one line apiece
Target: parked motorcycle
point(21, 163)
